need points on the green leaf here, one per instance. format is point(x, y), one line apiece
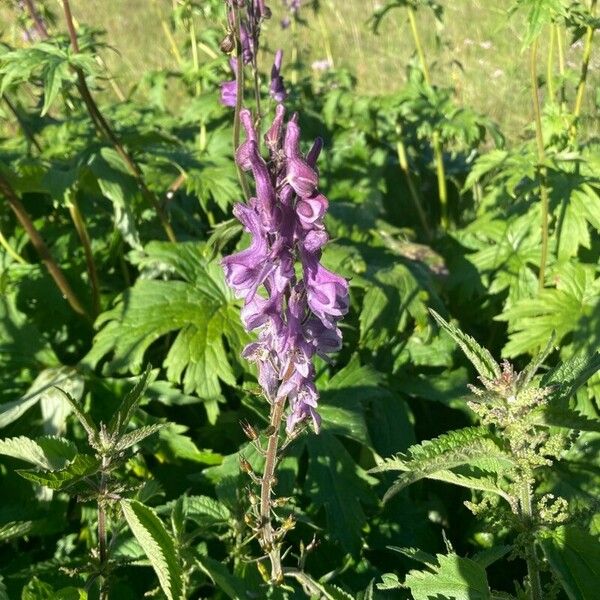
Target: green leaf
point(206, 511)
point(231, 585)
point(201, 309)
point(80, 467)
point(120, 420)
point(85, 420)
point(158, 546)
point(338, 484)
point(480, 358)
point(3, 591)
point(454, 577)
point(51, 453)
point(472, 447)
point(136, 436)
point(43, 389)
point(570, 375)
point(574, 556)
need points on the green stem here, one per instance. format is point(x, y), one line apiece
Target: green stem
point(550, 65)
point(267, 533)
point(84, 237)
point(587, 53)
point(561, 65)
point(40, 246)
point(106, 130)
point(403, 160)
point(239, 99)
point(195, 61)
point(535, 584)
point(102, 532)
point(541, 162)
point(10, 250)
point(438, 153)
point(294, 73)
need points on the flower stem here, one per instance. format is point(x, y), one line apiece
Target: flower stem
point(106, 130)
point(535, 584)
point(195, 61)
point(267, 537)
point(541, 160)
point(10, 250)
point(239, 97)
point(436, 142)
point(41, 248)
point(587, 53)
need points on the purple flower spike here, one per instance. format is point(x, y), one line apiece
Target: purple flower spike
point(277, 89)
point(228, 95)
point(294, 308)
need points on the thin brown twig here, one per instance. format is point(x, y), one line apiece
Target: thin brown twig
point(41, 248)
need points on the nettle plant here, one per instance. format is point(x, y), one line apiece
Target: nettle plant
point(526, 425)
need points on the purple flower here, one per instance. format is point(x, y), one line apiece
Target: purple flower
point(228, 95)
point(277, 89)
point(294, 308)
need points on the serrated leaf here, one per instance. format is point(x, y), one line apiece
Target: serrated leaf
point(158, 546)
point(389, 581)
point(474, 447)
point(51, 453)
point(574, 556)
point(454, 577)
point(201, 309)
point(85, 420)
point(570, 375)
point(135, 437)
point(80, 467)
point(120, 420)
point(205, 511)
point(480, 358)
point(416, 554)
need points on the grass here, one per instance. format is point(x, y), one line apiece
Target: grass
point(477, 50)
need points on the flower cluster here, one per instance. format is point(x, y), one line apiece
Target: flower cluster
point(295, 310)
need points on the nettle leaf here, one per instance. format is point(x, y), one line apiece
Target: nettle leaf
point(338, 484)
point(120, 420)
point(567, 377)
point(480, 358)
point(574, 556)
point(44, 390)
point(136, 436)
point(80, 467)
point(158, 545)
point(51, 453)
point(454, 577)
point(198, 305)
point(566, 308)
point(473, 447)
point(205, 511)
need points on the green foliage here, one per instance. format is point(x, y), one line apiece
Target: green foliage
point(157, 544)
point(452, 577)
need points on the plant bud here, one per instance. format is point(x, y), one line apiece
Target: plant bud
point(245, 466)
point(250, 432)
point(227, 44)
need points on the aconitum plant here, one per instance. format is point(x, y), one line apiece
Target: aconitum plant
point(293, 302)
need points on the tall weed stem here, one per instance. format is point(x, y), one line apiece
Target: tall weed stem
point(585, 63)
point(535, 584)
point(40, 246)
point(403, 160)
point(438, 153)
point(539, 136)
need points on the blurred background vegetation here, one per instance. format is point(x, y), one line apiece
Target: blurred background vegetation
point(477, 50)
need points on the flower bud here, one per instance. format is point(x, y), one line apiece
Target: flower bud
point(227, 44)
